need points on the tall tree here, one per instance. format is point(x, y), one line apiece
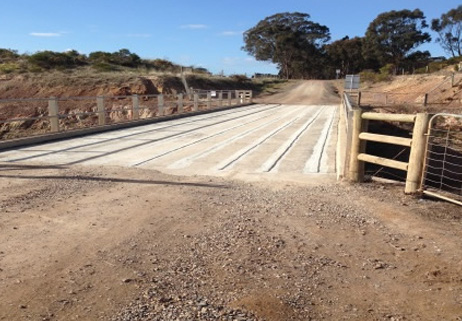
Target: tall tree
point(449, 29)
point(346, 54)
point(395, 34)
point(284, 38)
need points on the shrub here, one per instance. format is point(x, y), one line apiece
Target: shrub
point(7, 68)
point(239, 78)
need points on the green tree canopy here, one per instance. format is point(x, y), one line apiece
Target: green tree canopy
point(346, 54)
point(285, 39)
point(449, 29)
point(395, 34)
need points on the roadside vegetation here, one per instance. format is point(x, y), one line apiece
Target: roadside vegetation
point(302, 48)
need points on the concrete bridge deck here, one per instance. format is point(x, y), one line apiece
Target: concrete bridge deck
point(269, 141)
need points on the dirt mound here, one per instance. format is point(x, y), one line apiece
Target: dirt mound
point(443, 92)
point(307, 92)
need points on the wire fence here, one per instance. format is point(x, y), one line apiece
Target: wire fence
point(443, 164)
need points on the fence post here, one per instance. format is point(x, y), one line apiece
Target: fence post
point(356, 168)
point(359, 99)
point(135, 107)
point(220, 98)
point(160, 105)
point(417, 156)
point(180, 103)
point(101, 111)
point(209, 100)
point(230, 93)
point(196, 102)
point(425, 100)
point(53, 114)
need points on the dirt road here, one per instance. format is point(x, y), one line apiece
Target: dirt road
point(99, 242)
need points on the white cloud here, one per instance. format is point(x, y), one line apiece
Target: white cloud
point(231, 33)
point(193, 26)
point(46, 34)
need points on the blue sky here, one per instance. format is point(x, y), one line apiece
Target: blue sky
point(190, 32)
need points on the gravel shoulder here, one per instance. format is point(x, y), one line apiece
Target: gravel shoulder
point(113, 243)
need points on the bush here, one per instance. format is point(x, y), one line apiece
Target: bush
point(52, 60)
point(240, 78)
point(371, 76)
point(7, 68)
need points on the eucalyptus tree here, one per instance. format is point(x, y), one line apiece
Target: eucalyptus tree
point(449, 29)
point(393, 35)
point(288, 40)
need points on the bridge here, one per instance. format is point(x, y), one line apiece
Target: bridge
point(294, 138)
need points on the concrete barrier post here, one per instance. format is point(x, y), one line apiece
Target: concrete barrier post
point(101, 111)
point(135, 107)
point(53, 114)
point(230, 98)
point(356, 167)
point(196, 102)
point(180, 103)
point(209, 100)
point(250, 96)
point(160, 105)
point(417, 156)
point(220, 98)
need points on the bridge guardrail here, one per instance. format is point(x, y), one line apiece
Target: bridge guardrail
point(51, 118)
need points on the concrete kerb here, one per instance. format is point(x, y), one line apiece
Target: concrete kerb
point(35, 140)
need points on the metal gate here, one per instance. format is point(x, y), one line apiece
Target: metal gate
point(442, 176)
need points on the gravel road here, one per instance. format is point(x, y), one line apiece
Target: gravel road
point(101, 241)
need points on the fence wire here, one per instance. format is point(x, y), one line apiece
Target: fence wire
point(443, 169)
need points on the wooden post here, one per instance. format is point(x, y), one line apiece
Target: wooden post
point(135, 107)
point(53, 114)
point(417, 157)
point(196, 102)
point(356, 168)
point(101, 111)
point(180, 103)
point(220, 98)
point(250, 96)
point(209, 100)
point(359, 99)
point(452, 80)
point(160, 105)
point(425, 100)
